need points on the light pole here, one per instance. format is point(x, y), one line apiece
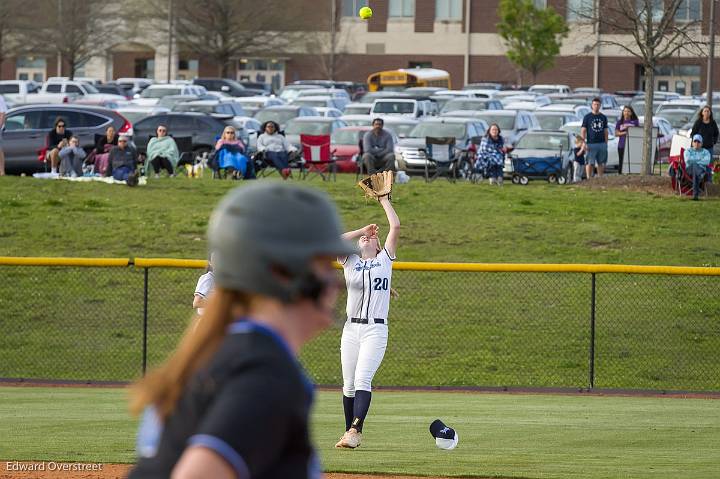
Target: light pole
point(711, 56)
point(170, 41)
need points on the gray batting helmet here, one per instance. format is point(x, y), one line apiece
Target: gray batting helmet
point(260, 229)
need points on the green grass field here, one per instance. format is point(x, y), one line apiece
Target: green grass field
point(459, 329)
point(538, 223)
point(501, 435)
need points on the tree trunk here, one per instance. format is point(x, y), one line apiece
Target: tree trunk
point(648, 145)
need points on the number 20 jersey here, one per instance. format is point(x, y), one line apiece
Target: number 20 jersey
point(368, 284)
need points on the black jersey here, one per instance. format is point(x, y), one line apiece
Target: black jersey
point(250, 405)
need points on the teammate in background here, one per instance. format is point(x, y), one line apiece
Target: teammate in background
point(364, 338)
point(204, 288)
point(232, 401)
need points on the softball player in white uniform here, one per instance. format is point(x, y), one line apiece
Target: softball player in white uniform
point(368, 279)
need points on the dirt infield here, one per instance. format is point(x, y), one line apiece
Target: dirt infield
point(65, 470)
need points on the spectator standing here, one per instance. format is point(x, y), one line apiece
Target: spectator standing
point(3, 114)
point(578, 159)
point(275, 148)
point(378, 149)
point(123, 162)
point(706, 127)
point(491, 157)
point(162, 152)
point(697, 162)
point(229, 155)
point(57, 139)
point(594, 133)
point(71, 158)
point(627, 119)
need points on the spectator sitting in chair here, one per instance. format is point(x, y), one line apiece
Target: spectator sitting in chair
point(697, 162)
point(275, 148)
point(378, 149)
point(123, 162)
point(229, 155)
point(57, 139)
point(71, 158)
point(162, 152)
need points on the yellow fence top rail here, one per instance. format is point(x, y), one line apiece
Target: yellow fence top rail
point(39, 261)
point(398, 266)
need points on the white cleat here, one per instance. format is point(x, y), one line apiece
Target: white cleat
point(350, 440)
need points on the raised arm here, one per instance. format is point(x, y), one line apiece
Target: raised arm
point(393, 236)
point(368, 230)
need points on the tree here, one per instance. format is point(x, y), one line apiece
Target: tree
point(533, 35)
point(13, 21)
point(224, 30)
point(76, 30)
point(647, 30)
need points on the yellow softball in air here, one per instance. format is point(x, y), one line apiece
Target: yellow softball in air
point(365, 13)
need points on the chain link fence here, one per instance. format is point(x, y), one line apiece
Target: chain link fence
point(448, 328)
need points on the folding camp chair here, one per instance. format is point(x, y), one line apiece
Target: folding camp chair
point(318, 159)
point(682, 181)
point(440, 152)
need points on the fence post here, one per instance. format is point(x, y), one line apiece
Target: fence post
point(145, 322)
point(592, 331)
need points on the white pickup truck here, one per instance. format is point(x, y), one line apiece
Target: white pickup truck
point(19, 92)
point(84, 92)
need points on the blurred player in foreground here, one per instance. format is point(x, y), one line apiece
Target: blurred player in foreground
point(364, 338)
point(232, 400)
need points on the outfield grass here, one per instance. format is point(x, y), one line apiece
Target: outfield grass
point(460, 329)
point(506, 436)
point(539, 223)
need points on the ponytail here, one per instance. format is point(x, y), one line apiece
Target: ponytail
point(163, 386)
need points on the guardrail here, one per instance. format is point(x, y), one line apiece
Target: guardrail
point(454, 325)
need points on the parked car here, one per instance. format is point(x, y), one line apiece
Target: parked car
point(588, 91)
point(310, 126)
point(27, 127)
point(254, 86)
point(86, 93)
point(345, 144)
point(253, 104)
point(613, 164)
point(553, 120)
point(340, 96)
point(579, 110)
point(203, 129)
point(134, 85)
point(484, 86)
point(403, 107)
point(135, 113)
point(151, 95)
point(471, 104)
point(171, 100)
point(212, 107)
point(282, 114)
point(409, 154)
point(665, 135)
point(538, 100)
point(680, 105)
point(511, 122)
point(224, 85)
point(357, 120)
point(400, 125)
point(678, 118)
point(20, 92)
point(329, 112)
point(320, 102)
point(545, 89)
point(249, 132)
point(289, 92)
point(542, 144)
point(113, 89)
point(357, 109)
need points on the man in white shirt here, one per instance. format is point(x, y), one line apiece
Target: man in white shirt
point(3, 114)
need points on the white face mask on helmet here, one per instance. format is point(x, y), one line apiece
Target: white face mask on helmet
point(263, 237)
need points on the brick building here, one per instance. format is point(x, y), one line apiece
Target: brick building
point(455, 35)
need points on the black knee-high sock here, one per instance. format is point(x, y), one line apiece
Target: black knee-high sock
point(361, 406)
point(348, 405)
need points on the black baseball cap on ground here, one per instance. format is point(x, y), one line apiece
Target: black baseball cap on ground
point(445, 437)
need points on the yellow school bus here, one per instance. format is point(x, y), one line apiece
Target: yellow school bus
point(408, 77)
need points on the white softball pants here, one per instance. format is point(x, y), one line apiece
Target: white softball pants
point(362, 348)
